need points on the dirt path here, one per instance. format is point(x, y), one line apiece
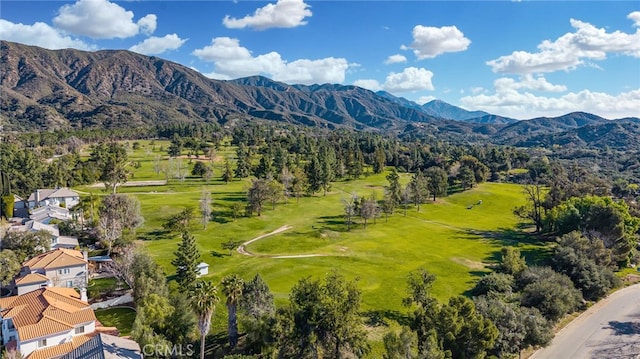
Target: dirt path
point(242, 248)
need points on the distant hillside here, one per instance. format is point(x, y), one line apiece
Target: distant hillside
point(69, 89)
point(45, 89)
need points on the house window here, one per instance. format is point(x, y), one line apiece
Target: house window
point(59, 271)
point(67, 271)
point(42, 343)
point(69, 284)
point(80, 330)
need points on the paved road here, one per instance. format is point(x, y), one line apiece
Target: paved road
point(610, 329)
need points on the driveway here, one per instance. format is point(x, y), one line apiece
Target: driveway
point(610, 329)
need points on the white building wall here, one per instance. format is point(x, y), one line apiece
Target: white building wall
point(75, 274)
point(23, 289)
point(27, 347)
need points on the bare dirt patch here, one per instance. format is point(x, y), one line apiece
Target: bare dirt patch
point(469, 263)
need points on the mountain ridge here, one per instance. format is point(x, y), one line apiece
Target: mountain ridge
point(71, 89)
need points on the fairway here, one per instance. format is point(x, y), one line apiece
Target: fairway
point(456, 237)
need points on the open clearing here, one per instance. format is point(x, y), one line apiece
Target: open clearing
point(455, 243)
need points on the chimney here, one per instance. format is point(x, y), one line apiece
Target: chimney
point(37, 198)
point(83, 294)
point(85, 255)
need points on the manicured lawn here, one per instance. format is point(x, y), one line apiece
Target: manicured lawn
point(121, 318)
point(101, 286)
point(456, 237)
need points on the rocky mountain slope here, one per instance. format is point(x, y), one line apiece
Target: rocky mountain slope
point(69, 89)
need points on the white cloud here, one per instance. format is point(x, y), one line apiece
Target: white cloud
point(410, 79)
point(232, 60)
point(635, 17)
point(570, 50)
point(101, 19)
point(39, 34)
point(395, 59)
point(368, 84)
point(527, 82)
point(525, 105)
point(156, 45)
point(424, 99)
point(429, 42)
point(284, 13)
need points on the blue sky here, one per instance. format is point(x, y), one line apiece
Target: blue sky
point(520, 59)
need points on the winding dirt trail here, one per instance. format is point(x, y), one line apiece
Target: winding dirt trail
point(242, 248)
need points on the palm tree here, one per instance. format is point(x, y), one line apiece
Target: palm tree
point(204, 299)
point(232, 287)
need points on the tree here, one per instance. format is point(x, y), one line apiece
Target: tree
point(276, 192)
point(179, 222)
point(227, 173)
point(436, 181)
point(401, 346)
point(205, 207)
point(258, 319)
point(6, 197)
point(232, 286)
point(368, 209)
point(243, 162)
point(379, 160)
point(494, 284)
point(258, 194)
point(175, 148)
point(323, 317)
point(9, 267)
point(26, 245)
point(466, 177)
point(230, 245)
point(518, 327)
point(299, 183)
point(186, 260)
point(204, 298)
point(200, 169)
point(112, 163)
point(118, 213)
point(349, 209)
point(512, 262)
point(533, 210)
point(553, 294)
point(286, 178)
point(419, 189)
point(388, 204)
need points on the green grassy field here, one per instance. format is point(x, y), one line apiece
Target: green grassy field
point(121, 318)
point(456, 237)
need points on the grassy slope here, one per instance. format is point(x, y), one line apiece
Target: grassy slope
point(445, 237)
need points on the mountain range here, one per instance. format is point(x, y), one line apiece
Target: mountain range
point(70, 89)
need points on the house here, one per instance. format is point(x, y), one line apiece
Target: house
point(64, 268)
point(46, 323)
point(57, 241)
point(105, 346)
point(20, 207)
point(61, 197)
point(48, 213)
point(203, 269)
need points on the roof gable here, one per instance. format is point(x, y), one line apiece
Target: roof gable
point(58, 258)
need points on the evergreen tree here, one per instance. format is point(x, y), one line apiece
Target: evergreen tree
point(394, 188)
point(379, 160)
point(314, 175)
point(227, 174)
point(186, 260)
point(419, 190)
point(243, 162)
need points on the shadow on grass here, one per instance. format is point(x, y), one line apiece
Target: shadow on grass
point(376, 318)
point(534, 248)
point(217, 254)
point(156, 235)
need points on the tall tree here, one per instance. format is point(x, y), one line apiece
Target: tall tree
point(275, 192)
point(243, 162)
point(368, 209)
point(204, 298)
point(394, 188)
point(186, 260)
point(286, 178)
point(257, 195)
point(118, 213)
point(419, 189)
point(227, 173)
point(179, 222)
point(379, 160)
point(534, 208)
point(9, 267)
point(299, 183)
point(26, 245)
point(436, 181)
point(350, 205)
point(112, 163)
point(205, 207)
point(232, 286)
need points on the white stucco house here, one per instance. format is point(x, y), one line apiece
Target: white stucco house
point(63, 268)
point(57, 241)
point(61, 197)
point(46, 323)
